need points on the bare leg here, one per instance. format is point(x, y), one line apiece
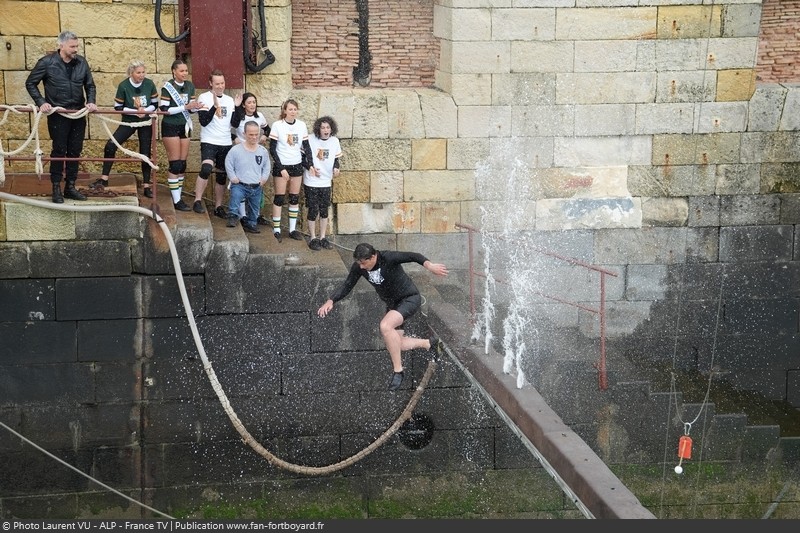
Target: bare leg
point(219, 194)
point(396, 341)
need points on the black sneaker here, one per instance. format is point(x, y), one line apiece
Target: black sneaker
point(296, 235)
point(180, 205)
point(220, 212)
point(397, 379)
point(437, 348)
point(252, 229)
point(231, 222)
point(262, 220)
point(328, 245)
point(148, 191)
point(198, 207)
point(314, 244)
point(98, 184)
point(278, 236)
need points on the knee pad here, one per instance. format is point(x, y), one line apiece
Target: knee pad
point(221, 178)
point(175, 167)
point(278, 200)
point(294, 199)
point(205, 170)
point(183, 166)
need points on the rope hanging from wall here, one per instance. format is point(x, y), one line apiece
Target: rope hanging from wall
point(247, 438)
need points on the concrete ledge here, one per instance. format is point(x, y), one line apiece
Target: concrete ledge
point(587, 476)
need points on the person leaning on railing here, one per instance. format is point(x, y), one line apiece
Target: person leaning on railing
point(66, 77)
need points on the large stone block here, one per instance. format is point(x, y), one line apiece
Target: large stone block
point(32, 300)
point(689, 22)
point(109, 340)
point(98, 298)
point(29, 18)
point(355, 186)
point(404, 115)
point(766, 107)
point(606, 23)
point(385, 187)
point(370, 116)
point(12, 55)
point(579, 213)
point(439, 114)
point(30, 223)
point(683, 86)
point(755, 243)
point(378, 154)
point(76, 259)
point(735, 85)
point(440, 217)
point(90, 20)
point(429, 154)
point(15, 263)
point(378, 218)
point(438, 185)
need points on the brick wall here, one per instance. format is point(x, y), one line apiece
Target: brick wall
point(325, 46)
point(779, 42)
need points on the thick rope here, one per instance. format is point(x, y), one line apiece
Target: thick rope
point(37, 115)
point(247, 438)
point(145, 123)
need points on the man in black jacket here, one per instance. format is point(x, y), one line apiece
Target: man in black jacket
point(384, 271)
point(66, 76)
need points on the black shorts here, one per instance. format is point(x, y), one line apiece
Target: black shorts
point(293, 170)
point(407, 306)
point(217, 154)
point(173, 130)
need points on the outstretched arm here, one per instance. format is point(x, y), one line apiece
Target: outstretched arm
point(436, 268)
point(325, 309)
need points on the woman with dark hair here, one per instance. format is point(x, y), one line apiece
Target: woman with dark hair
point(318, 179)
point(178, 99)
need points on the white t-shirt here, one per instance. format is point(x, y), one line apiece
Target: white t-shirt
point(324, 153)
point(290, 139)
point(218, 131)
point(262, 123)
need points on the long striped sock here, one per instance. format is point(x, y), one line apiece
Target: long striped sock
point(276, 224)
point(174, 188)
point(294, 210)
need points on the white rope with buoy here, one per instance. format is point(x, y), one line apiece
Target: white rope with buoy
point(247, 438)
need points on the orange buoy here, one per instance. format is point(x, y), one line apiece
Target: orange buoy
point(685, 447)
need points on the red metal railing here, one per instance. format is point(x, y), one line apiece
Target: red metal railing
point(600, 311)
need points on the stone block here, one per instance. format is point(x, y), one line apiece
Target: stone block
point(749, 210)
point(738, 179)
point(741, 20)
point(468, 89)
point(602, 151)
point(161, 295)
point(713, 148)
point(464, 154)
point(355, 186)
point(487, 57)
point(790, 208)
point(340, 106)
point(605, 119)
point(15, 263)
point(664, 118)
point(91, 20)
point(438, 185)
point(704, 211)
point(664, 211)
point(484, 121)
point(605, 56)
point(615, 88)
point(645, 246)
point(98, 298)
point(755, 243)
point(769, 147)
point(120, 225)
point(378, 154)
point(30, 18)
point(428, 154)
point(33, 300)
point(735, 85)
point(579, 213)
point(541, 57)
point(30, 223)
point(606, 23)
point(109, 340)
point(721, 117)
point(731, 53)
point(685, 86)
point(766, 107)
point(689, 22)
point(77, 258)
point(440, 217)
point(439, 114)
point(370, 116)
point(112, 56)
point(378, 218)
point(538, 121)
point(12, 54)
point(385, 186)
point(69, 383)
point(404, 115)
point(791, 108)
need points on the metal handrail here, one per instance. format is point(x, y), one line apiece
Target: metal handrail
point(601, 311)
